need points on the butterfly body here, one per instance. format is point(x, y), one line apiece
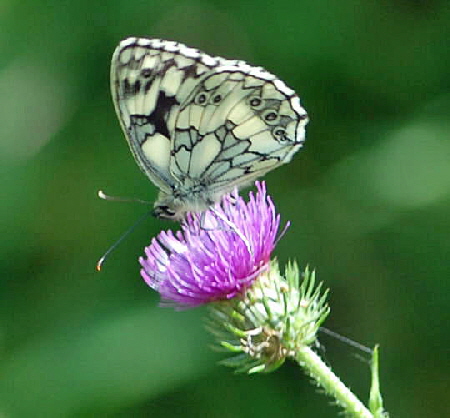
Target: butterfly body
point(199, 126)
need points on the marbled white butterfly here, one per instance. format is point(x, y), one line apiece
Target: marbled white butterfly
point(197, 125)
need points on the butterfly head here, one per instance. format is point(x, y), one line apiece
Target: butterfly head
point(176, 205)
point(172, 208)
point(166, 212)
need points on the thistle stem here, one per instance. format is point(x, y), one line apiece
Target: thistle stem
point(333, 386)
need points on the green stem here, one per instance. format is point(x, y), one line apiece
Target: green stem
point(320, 372)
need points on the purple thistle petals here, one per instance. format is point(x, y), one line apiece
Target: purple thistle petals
point(201, 264)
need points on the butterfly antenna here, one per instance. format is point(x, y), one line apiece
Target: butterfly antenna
point(346, 340)
point(116, 244)
point(104, 196)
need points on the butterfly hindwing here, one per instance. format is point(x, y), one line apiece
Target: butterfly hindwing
point(199, 125)
point(235, 127)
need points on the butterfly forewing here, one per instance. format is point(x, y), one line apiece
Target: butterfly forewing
point(199, 125)
point(148, 84)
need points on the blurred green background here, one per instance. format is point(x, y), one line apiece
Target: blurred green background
point(368, 198)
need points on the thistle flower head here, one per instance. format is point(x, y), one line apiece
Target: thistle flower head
point(217, 254)
point(223, 256)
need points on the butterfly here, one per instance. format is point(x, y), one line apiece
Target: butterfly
point(198, 126)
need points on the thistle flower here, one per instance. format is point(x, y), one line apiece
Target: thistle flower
point(217, 254)
point(222, 257)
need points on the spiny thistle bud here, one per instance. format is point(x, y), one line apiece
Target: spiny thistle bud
point(271, 321)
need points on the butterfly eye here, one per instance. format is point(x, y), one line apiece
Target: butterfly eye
point(201, 98)
point(280, 134)
point(271, 117)
point(256, 103)
point(164, 212)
